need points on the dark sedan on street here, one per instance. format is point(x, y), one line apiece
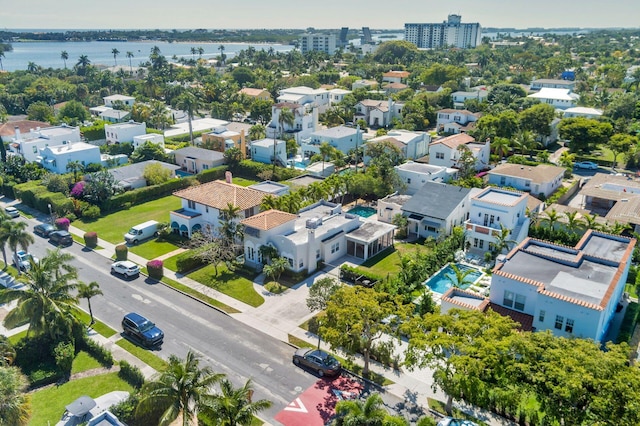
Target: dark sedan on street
point(317, 360)
point(43, 229)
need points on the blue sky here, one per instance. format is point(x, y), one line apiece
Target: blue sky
point(191, 14)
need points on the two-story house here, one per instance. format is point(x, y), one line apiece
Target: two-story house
point(337, 95)
point(460, 96)
point(455, 120)
point(193, 159)
point(343, 138)
point(154, 138)
point(445, 151)
point(222, 138)
point(541, 179)
point(30, 144)
point(395, 76)
point(306, 96)
point(124, 132)
point(490, 211)
point(55, 158)
point(305, 121)
point(551, 83)
point(262, 151)
point(377, 113)
point(202, 204)
point(436, 209)
point(412, 144)
point(110, 101)
point(415, 175)
point(557, 98)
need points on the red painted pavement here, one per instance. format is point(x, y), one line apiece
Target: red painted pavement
point(316, 405)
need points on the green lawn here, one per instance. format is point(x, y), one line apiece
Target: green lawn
point(388, 262)
point(243, 182)
point(47, 405)
point(83, 362)
point(113, 226)
point(229, 283)
point(142, 354)
point(17, 337)
point(152, 249)
point(188, 290)
point(99, 327)
point(170, 262)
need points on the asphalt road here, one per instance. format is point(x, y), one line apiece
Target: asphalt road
point(229, 346)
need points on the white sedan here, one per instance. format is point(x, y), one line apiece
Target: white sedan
point(588, 165)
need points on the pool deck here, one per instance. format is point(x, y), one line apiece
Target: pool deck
point(480, 286)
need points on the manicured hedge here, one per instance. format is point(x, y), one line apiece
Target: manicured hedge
point(131, 374)
point(122, 252)
point(210, 175)
point(187, 261)
point(147, 193)
point(91, 239)
point(35, 195)
point(251, 169)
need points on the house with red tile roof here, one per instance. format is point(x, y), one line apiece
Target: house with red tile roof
point(396, 76)
point(445, 151)
point(253, 93)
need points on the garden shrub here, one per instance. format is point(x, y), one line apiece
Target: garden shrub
point(8, 189)
point(131, 374)
point(188, 261)
point(62, 223)
point(155, 268)
point(102, 355)
point(64, 352)
point(148, 193)
point(210, 175)
point(629, 322)
point(122, 251)
point(43, 377)
point(91, 239)
point(91, 212)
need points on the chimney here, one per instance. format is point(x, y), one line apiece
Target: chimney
point(17, 132)
point(228, 177)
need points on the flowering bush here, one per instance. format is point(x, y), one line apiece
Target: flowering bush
point(62, 223)
point(155, 269)
point(78, 190)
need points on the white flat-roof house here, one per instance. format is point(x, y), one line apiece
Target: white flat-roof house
point(114, 115)
point(436, 209)
point(364, 84)
point(55, 158)
point(585, 112)
point(378, 113)
point(304, 124)
point(321, 232)
point(390, 206)
point(541, 179)
point(557, 98)
point(154, 138)
point(342, 138)
point(30, 144)
point(197, 125)
point(492, 209)
point(412, 144)
point(337, 95)
point(124, 132)
point(193, 159)
point(415, 175)
point(262, 151)
point(551, 83)
point(460, 96)
point(571, 291)
point(306, 96)
point(126, 100)
point(201, 205)
point(455, 120)
point(444, 151)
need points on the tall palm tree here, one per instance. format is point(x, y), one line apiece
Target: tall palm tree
point(233, 406)
point(129, 56)
point(189, 103)
point(64, 56)
point(87, 291)
point(326, 151)
point(222, 55)
point(502, 240)
point(75, 166)
point(15, 403)
point(5, 225)
point(1, 56)
point(45, 301)
point(590, 221)
point(357, 412)
point(257, 132)
point(18, 236)
point(183, 387)
point(460, 277)
point(115, 52)
point(551, 218)
point(573, 222)
point(286, 117)
point(566, 159)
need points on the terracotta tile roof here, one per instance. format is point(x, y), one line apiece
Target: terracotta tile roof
point(25, 126)
point(396, 74)
point(525, 320)
point(454, 141)
point(450, 294)
point(395, 86)
point(542, 173)
point(393, 141)
point(269, 219)
point(218, 194)
point(456, 111)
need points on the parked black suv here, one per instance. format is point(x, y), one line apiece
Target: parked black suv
point(61, 238)
point(145, 331)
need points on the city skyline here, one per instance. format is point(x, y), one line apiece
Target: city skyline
point(192, 14)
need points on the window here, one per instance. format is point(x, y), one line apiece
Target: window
point(559, 321)
point(290, 260)
point(301, 264)
point(191, 204)
point(569, 326)
point(318, 254)
point(205, 166)
point(519, 304)
point(541, 316)
point(503, 180)
point(206, 208)
point(35, 149)
point(508, 298)
point(409, 181)
point(440, 155)
point(481, 244)
point(475, 242)
point(335, 247)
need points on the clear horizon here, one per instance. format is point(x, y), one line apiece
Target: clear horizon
point(332, 14)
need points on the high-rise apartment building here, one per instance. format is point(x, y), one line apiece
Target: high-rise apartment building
point(318, 42)
point(450, 33)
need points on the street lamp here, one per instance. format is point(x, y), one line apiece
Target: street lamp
point(50, 214)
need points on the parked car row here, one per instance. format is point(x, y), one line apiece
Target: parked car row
point(57, 237)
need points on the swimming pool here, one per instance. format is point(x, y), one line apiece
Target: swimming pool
point(362, 211)
point(181, 173)
point(440, 283)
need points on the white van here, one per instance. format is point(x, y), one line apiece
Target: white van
point(142, 232)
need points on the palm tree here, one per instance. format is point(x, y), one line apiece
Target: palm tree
point(590, 221)
point(566, 159)
point(183, 387)
point(200, 51)
point(257, 132)
point(233, 406)
point(276, 268)
point(356, 412)
point(500, 147)
point(286, 117)
point(5, 225)
point(18, 236)
point(551, 218)
point(573, 222)
point(15, 403)
point(460, 277)
point(115, 52)
point(87, 291)
point(83, 61)
point(502, 240)
point(45, 301)
point(269, 202)
point(64, 56)
point(222, 55)
point(1, 56)
point(189, 103)
point(75, 166)
point(325, 151)
point(129, 56)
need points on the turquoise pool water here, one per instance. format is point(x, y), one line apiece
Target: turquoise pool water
point(181, 173)
point(362, 211)
point(440, 283)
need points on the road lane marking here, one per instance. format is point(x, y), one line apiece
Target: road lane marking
point(296, 406)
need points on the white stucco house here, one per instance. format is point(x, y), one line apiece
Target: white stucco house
point(557, 98)
point(343, 138)
point(201, 205)
point(321, 232)
point(415, 175)
point(395, 76)
point(124, 132)
point(28, 145)
point(455, 120)
point(126, 100)
point(56, 158)
point(377, 113)
point(585, 112)
point(490, 210)
point(306, 96)
point(412, 144)
point(552, 83)
point(154, 138)
point(436, 209)
point(193, 159)
point(337, 95)
point(444, 151)
point(262, 151)
point(305, 121)
point(541, 179)
point(460, 96)
point(390, 206)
